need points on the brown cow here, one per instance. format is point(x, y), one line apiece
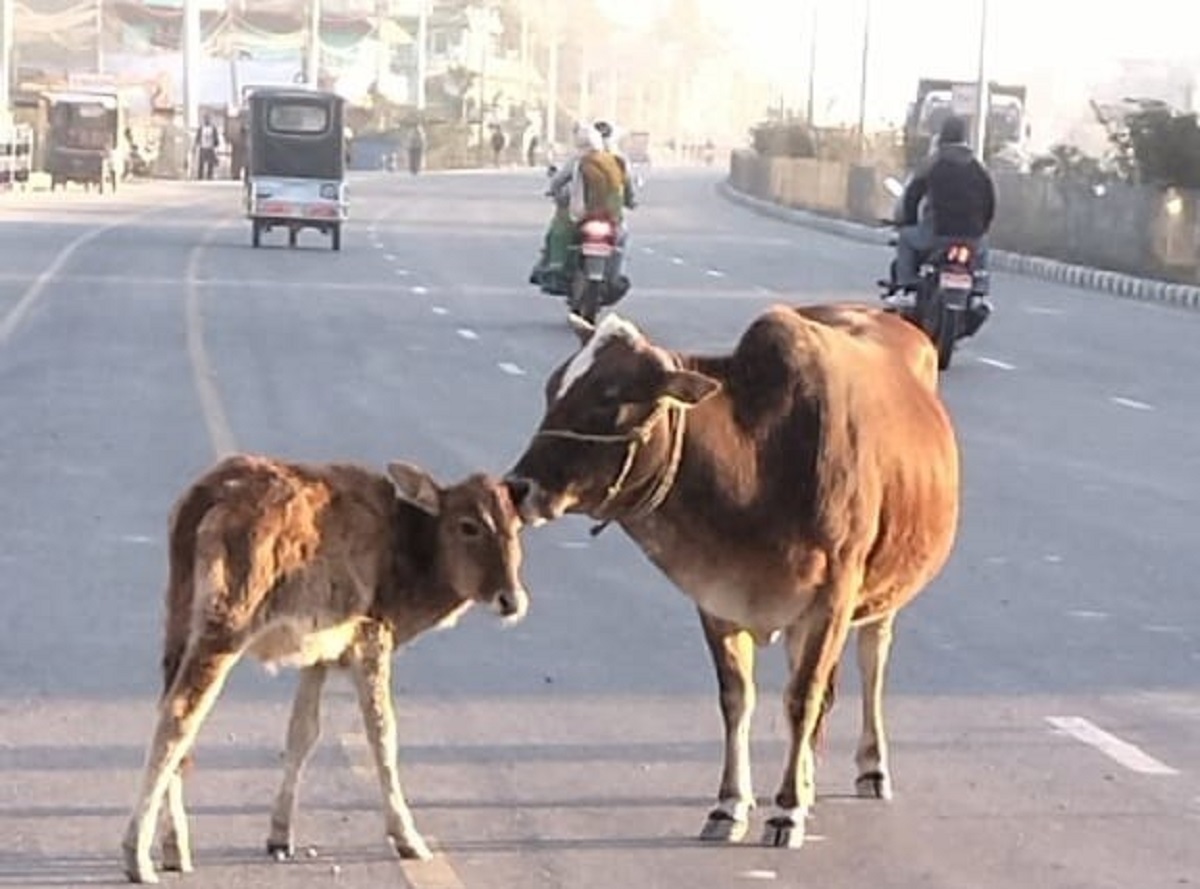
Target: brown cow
point(804, 484)
point(314, 566)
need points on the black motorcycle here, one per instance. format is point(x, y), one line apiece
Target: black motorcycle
point(950, 301)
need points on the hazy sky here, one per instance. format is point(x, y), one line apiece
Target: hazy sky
point(1056, 47)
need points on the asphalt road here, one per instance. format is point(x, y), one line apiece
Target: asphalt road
point(1045, 696)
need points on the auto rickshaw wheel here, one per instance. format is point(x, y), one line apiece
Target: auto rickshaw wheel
point(335, 236)
point(255, 233)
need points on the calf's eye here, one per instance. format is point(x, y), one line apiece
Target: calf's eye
point(469, 528)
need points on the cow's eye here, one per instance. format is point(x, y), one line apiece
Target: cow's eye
point(469, 528)
point(610, 396)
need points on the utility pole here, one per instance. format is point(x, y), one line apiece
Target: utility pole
point(99, 36)
point(313, 60)
point(812, 62)
point(862, 86)
point(982, 98)
point(191, 65)
point(6, 59)
point(422, 51)
point(383, 63)
point(552, 80)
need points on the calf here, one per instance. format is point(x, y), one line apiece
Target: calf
point(313, 566)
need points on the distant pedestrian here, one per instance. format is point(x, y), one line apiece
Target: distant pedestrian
point(208, 140)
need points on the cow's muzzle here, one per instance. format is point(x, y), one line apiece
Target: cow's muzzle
point(511, 604)
point(535, 505)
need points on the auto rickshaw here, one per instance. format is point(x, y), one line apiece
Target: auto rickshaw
point(296, 163)
point(84, 142)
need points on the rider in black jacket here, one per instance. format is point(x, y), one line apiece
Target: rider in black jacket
point(959, 199)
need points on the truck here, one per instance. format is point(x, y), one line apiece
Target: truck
point(1007, 131)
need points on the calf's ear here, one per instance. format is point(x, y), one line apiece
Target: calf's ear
point(688, 387)
point(414, 485)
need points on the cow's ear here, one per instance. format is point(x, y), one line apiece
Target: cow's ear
point(688, 387)
point(582, 327)
point(414, 485)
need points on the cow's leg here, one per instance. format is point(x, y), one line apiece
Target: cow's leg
point(372, 670)
point(815, 644)
point(176, 842)
point(197, 685)
point(874, 645)
point(304, 728)
point(732, 650)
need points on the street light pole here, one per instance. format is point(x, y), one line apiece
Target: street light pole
point(422, 51)
point(99, 36)
point(313, 63)
point(812, 62)
point(6, 58)
point(862, 86)
point(982, 99)
point(191, 65)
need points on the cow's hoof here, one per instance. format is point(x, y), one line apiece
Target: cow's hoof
point(138, 870)
point(412, 847)
point(874, 785)
point(721, 827)
point(281, 850)
point(783, 832)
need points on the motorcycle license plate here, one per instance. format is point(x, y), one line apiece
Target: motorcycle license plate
point(595, 250)
point(956, 281)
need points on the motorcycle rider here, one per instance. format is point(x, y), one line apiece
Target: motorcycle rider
point(951, 195)
point(592, 181)
point(629, 200)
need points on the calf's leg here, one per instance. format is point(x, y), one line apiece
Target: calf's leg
point(304, 728)
point(181, 712)
point(176, 842)
point(372, 671)
point(874, 644)
point(732, 650)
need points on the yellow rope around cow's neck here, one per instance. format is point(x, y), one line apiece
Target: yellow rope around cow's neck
point(634, 439)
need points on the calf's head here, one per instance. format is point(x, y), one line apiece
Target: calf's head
point(602, 405)
point(477, 530)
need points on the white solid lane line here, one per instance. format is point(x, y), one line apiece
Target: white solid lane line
point(1110, 745)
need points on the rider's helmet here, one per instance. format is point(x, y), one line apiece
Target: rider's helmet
point(953, 131)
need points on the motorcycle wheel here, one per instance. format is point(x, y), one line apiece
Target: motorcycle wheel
point(947, 336)
point(586, 297)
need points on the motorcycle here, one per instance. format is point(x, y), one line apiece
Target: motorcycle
point(589, 278)
point(950, 302)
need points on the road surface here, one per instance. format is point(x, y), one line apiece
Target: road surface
point(1045, 696)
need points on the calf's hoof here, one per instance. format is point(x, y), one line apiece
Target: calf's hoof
point(281, 850)
point(411, 846)
point(874, 785)
point(721, 827)
point(138, 869)
point(783, 832)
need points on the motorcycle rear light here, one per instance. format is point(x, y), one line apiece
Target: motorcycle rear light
point(596, 229)
point(959, 253)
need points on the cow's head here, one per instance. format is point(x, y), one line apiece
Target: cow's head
point(607, 431)
point(478, 548)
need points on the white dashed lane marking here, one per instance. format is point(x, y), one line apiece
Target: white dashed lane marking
point(714, 273)
point(467, 333)
point(440, 310)
point(677, 260)
point(390, 257)
point(1128, 755)
point(1131, 403)
point(995, 362)
point(513, 370)
point(419, 290)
